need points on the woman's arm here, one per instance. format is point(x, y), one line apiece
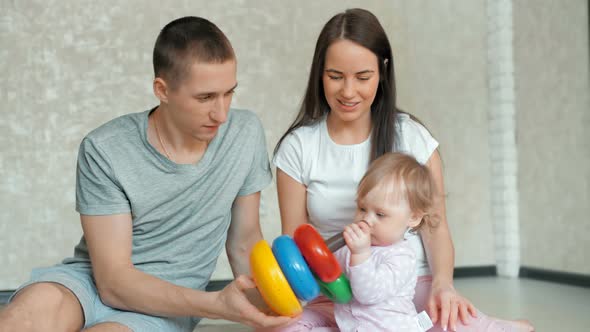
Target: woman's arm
point(437, 241)
point(444, 303)
point(292, 202)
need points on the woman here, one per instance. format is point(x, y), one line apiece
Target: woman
point(349, 118)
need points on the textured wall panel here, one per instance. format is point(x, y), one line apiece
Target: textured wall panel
point(553, 119)
point(444, 77)
point(69, 66)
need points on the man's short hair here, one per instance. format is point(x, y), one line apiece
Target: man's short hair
point(185, 41)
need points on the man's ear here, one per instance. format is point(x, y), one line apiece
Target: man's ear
point(161, 89)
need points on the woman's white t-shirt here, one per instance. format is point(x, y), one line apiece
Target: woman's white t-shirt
point(331, 173)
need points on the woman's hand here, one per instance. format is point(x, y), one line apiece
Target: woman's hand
point(232, 304)
point(445, 304)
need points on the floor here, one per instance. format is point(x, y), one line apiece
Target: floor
point(550, 306)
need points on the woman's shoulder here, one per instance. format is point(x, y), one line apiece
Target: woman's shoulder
point(307, 132)
point(409, 126)
point(406, 120)
point(414, 138)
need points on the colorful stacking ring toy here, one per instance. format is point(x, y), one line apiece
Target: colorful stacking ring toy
point(271, 281)
point(338, 290)
point(301, 267)
point(316, 253)
point(295, 269)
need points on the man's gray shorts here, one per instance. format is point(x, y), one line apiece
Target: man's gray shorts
point(80, 282)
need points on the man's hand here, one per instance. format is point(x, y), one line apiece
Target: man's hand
point(358, 239)
point(446, 304)
point(234, 305)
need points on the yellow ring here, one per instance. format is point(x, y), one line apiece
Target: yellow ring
point(271, 281)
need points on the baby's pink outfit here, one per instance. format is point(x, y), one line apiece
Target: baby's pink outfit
point(320, 315)
point(383, 291)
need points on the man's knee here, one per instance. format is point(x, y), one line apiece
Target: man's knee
point(48, 297)
point(42, 306)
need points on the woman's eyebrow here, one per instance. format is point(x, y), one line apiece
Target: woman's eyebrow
point(366, 71)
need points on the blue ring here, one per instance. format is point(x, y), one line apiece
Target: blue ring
point(295, 268)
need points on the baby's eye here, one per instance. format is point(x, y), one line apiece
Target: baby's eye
point(362, 209)
point(380, 214)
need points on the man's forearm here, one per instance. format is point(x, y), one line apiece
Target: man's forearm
point(239, 259)
point(238, 253)
point(134, 290)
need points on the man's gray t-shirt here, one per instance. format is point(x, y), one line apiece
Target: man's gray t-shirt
point(181, 213)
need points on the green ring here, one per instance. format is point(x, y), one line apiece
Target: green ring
point(338, 290)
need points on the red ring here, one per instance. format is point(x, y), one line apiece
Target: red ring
point(316, 253)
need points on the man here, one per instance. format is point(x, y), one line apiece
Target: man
point(159, 193)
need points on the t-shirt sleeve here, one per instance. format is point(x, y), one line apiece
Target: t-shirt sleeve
point(289, 157)
point(416, 140)
point(260, 175)
point(98, 192)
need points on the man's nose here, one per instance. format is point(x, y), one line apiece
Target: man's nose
point(219, 114)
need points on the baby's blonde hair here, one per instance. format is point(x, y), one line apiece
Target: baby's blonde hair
point(405, 173)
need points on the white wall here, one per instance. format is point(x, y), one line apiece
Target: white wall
point(553, 133)
point(442, 78)
point(70, 66)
